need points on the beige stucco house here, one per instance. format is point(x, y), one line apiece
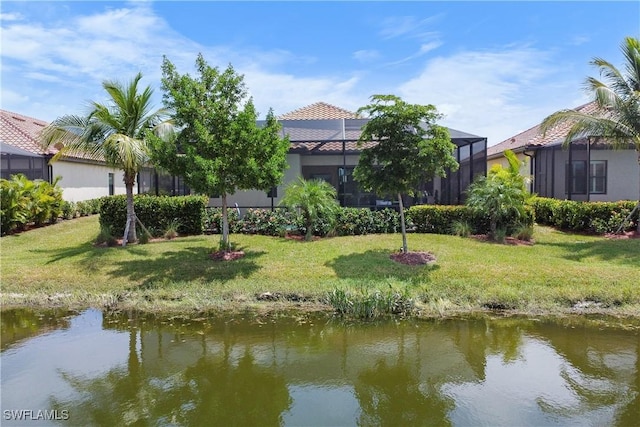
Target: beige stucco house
point(81, 179)
point(21, 152)
point(597, 172)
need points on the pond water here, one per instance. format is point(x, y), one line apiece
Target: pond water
point(92, 368)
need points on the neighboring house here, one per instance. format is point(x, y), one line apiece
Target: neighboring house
point(597, 172)
point(81, 179)
point(324, 146)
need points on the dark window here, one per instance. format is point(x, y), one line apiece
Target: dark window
point(111, 185)
point(597, 179)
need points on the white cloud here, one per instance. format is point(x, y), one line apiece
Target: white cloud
point(491, 93)
point(579, 40)
point(61, 65)
point(407, 26)
point(10, 17)
point(366, 55)
point(424, 49)
point(286, 92)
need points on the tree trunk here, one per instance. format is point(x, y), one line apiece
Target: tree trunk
point(309, 224)
point(130, 227)
point(403, 227)
point(224, 242)
point(493, 227)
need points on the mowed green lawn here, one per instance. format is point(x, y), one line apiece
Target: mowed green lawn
point(60, 265)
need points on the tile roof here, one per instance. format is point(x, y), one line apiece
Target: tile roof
point(22, 132)
point(329, 147)
point(535, 137)
point(319, 110)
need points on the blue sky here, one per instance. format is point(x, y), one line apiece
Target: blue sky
point(492, 68)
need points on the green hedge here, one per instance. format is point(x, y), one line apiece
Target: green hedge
point(348, 222)
point(439, 219)
point(157, 213)
point(358, 221)
point(596, 217)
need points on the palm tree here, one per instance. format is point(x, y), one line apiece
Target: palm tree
point(315, 198)
point(113, 133)
point(501, 195)
point(617, 116)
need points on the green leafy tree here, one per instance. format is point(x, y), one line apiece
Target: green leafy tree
point(114, 133)
point(219, 148)
point(410, 148)
point(314, 198)
point(616, 119)
point(501, 194)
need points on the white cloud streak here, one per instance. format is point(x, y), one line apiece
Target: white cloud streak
point(493, 93)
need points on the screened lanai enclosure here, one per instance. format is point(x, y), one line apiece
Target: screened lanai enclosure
point(587, 170)
point(327, 149)
point(15, 161)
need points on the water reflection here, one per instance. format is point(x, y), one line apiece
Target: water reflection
point(130, 369)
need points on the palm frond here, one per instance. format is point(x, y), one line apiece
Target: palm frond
point(125, 152)
point(617, 116)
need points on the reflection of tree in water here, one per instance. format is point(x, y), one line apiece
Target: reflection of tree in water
point(393, 396)
point(19, 324)
point(120, 397)
point(208, 393)
point(218, 393)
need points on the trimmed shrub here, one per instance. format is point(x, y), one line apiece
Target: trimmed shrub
point(157, 213)
point(267, 222)
point(213, 220)
point(571, 215)
point(349, 222)
point(440, 219)
point(353, 221)
point(69, 210)
point(387, 221)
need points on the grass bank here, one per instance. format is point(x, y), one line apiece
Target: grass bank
point(59, 265)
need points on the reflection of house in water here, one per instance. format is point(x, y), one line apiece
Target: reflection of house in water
point(324, 354)
point(441, 372)
point(599, 361)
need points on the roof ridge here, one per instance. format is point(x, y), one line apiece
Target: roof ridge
point(318, 111)
point(19, 116)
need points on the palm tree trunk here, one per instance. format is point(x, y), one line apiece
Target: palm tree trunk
point(309, 224)
point(493, 228)
point(224, 243)
point(403, 227)
point(130, 228)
